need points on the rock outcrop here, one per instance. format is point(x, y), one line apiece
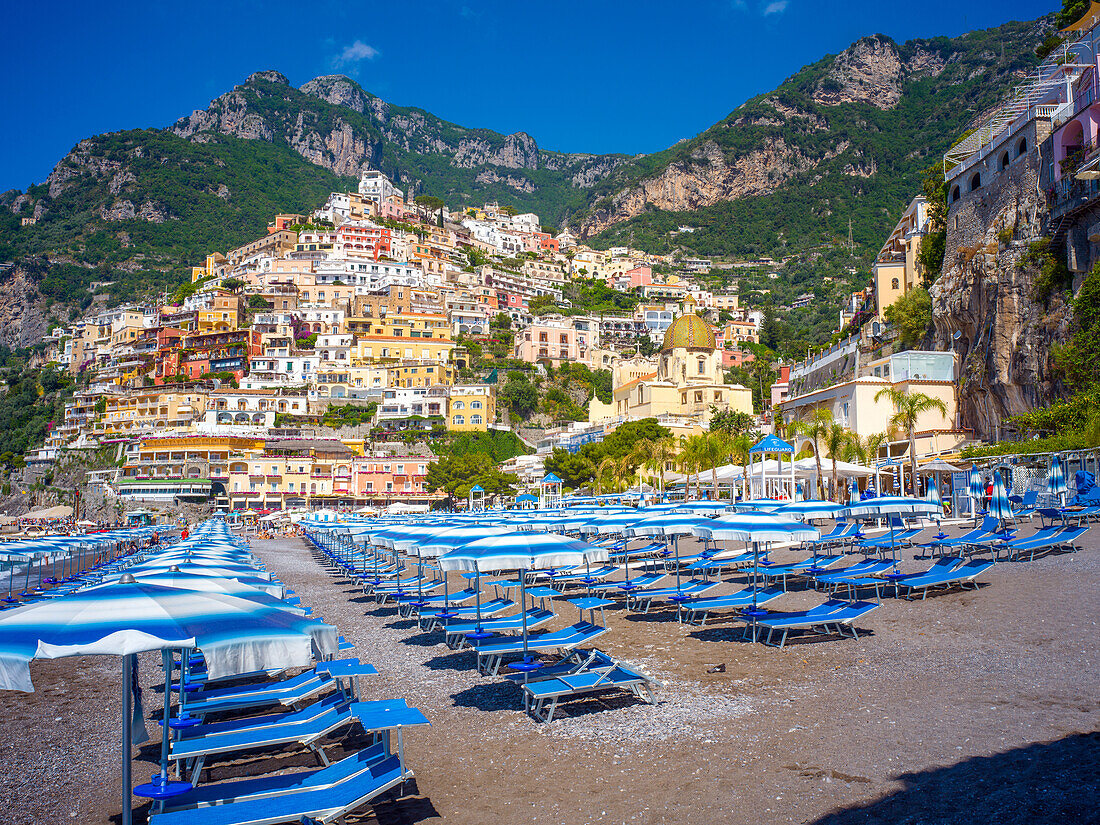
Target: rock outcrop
point(986, 294)
point(868, 71)
point(22, 308)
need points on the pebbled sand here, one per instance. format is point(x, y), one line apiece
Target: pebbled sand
point(972, 706)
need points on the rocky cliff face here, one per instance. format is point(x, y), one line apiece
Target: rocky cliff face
point(986, 294)
point(22, 308)
point(705, 178)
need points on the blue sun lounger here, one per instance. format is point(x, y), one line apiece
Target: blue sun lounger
point(709, 563)
point(325, 804)
point(490, 654)
point(1047, 539)
point(688, 589)
point(635, 583)
point(437, 621)
point(413, 604)
point(844, 532)
point(289, 692)
point(305, 727)
point(961, 576)
point(536, 617)
point(252, 788)
point(543, 696)
point(831, 617)
point(742, 598)
point(580, 577)
point(902, 537)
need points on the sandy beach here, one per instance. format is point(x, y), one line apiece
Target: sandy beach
point(971, 706)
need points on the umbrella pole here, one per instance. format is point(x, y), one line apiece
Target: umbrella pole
point(127, 733)
point(166, 731)
point(523, 612)
point(755, 573)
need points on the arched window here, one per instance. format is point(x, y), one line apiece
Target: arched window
point(475, 419)
point(475, 405)
point(976, 181)
point(458, 405)
point(955, 194)
point(1021, 147)
point(459, 420)
point(894, 284)
point(1004, 161)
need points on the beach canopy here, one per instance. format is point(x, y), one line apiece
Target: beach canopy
point(756, 527)
point(808, 509)
point(236, 635)
point(515, 550)
point(939, 466)
point(890, 506)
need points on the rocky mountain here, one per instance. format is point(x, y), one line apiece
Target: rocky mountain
point(844, 138)
point(334, 123)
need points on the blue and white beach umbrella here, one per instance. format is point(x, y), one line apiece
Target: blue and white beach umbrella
point(808, 510)
point(999, 505)
point(885, 506)
point(853, 490)
point(522, 551)
point(977, 491)
point(933, 494)
point(671, 525)
point(236, 636)
point(1056, 484)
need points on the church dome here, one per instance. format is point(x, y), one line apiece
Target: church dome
point(691, 332)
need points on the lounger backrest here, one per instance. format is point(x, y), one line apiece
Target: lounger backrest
point(1030, 497)
point(990, 524)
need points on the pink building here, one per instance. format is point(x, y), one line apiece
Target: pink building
point(395, 478)
point(552, 340)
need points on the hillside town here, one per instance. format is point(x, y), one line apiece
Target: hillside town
point(221, 392)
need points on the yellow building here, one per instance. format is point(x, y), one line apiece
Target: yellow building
point(224, 316)
point(471, 407)
point(688, 381)
point(402, 337)
point(420, 374)
point(168, 466)
point(211, 268)
point(151, 409)
point(896, 269)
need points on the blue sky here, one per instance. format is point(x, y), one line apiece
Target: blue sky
point(578, 76)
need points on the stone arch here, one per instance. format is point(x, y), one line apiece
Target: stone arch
point(975, 181)
point(1004, 160)
point(1021, 147)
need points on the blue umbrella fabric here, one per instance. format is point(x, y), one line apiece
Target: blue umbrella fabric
point(976, 488)
point(1056, 483)
point(808, 509)
point(236, 635)
point(933, 495)
point(756, 527)
point(999, 506)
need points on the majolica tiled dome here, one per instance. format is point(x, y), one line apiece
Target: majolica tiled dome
point(691, 332)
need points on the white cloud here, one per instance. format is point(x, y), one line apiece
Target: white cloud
point(739, 5)
point(354, 53)
point(775, 7)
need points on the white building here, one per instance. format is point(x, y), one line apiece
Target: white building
point(376, 186)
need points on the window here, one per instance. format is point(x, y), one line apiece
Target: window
point(458, 405)
point(459, 420)
point(1004, 161)
point(702, 366)
point(1021, 147)
point(894, 283)
point(475, 419)
point(475, 405)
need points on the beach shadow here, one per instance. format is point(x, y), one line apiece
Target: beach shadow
point(459, 660)
point(1046, 782)
point(425, 639)
point(403, 807)
point(491, 697)
point(657, 615)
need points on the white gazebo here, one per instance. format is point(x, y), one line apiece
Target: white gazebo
point(550, 489)
point(477, 498)
point(780, 483)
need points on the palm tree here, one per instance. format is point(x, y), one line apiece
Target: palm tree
point(836, 440)
point(602, 472)
point(814, 428)
point(740, 447)
point(908, 407)
point(623, 472)
point(664, 452)
point(715, 450)
point(690, 459)
point(865, 450)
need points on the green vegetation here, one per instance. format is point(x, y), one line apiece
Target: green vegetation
point(1078, 359)
point(32, 401)
point(581, 467)
point(348, 415)
point(456, 475)
point(499, 445)
point(1067, 425)
point(911, 315)
point(519, 395)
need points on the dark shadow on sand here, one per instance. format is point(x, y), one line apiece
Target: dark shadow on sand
point(1040, 784)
